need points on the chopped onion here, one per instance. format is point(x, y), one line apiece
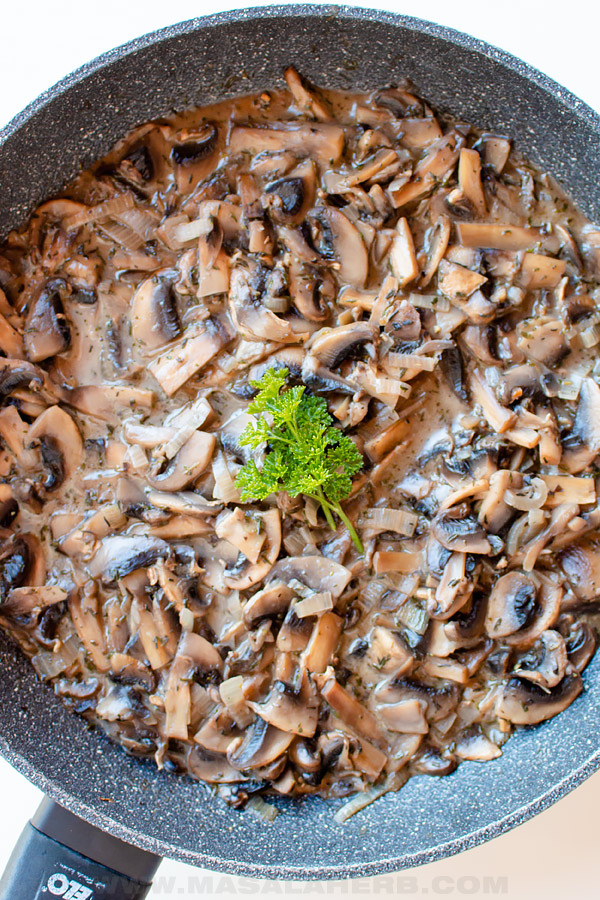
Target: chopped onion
point(400, 521)
point(188, 421)
point(233, 697)
point(105, 210)
point(530, 496)
point(314, 605)
point(430, 301)
point(266, 811)
point(136, 457)
point(49, 664)
point(224, 488)
point(123, 235)
point(404, 361)
point(362, 800)
point(186, 619)
point(414, 616)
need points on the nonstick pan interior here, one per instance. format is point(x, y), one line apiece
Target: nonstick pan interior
point(69, 127)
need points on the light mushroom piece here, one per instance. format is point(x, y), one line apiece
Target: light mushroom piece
point(47, 330)
point(545, 663)
point(294, 711)
point(244, 573)
point(154, 317)
point(583, 443)
point(120, 555)
point(186, 466)
point(337, 238)
point(526, 703)
point(334, 345)
point(60, 445)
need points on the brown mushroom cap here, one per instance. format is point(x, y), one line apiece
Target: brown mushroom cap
point(526, 703)
point(47, 330)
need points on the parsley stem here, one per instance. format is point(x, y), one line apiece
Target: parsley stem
point(320, 496)
point(355, 538)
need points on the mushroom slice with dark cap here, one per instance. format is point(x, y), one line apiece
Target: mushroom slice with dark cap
point(580, 562)
point(512, 604)
point(185, 467)
point(212, 767)
point(47, 331)
point(60, 443)
point(16, 374)
point(511, 601)
point(543, 340)
point(332, 346)
point(459, 531)
point(309, 287)
point(317, 572)
point(526, 703)
point(288, 199)
point(119, 555)
point(194, 155)
point(545, 663)
point(583, 443)
point(581, 643)
point(253, 320)
point(290, 710)
point(267, 603)
point(245, 573)
point(154, 316)
point(337, 239)
point(261, 745)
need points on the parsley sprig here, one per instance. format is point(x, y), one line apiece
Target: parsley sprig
point(305, 453)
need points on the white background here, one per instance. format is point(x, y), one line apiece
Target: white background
point(557, 854)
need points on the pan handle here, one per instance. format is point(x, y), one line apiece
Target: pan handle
point(62, 856)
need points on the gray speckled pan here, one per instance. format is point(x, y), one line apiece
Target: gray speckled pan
point(70, 126)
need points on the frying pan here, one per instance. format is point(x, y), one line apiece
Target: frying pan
point(120, 799)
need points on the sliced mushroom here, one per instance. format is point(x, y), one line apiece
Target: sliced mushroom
point(583, 443)
point(186, 466)
point(60, 444)
point(245, 573)
point(526, 703)
point(512, 605)
point(290, 710)
point(332, 346)
point(543, 340)
point(317, 572)
point(459, 531)
point(198, 344)
point(47, 330)
point(580, 562)
point(122, 554)
point(261, 745)
point(267, 603)
point(288, 199)
point(211, 767)
point(21, 563)
point(337, 238)
point(581, 644)
point(253, 320)
point(545, 663)
point(154, 317)
point(322, 141)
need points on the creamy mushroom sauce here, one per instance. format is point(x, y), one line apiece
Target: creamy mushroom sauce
point(442, 294)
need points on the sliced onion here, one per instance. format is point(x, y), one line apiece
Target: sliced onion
point(266, 811)
point(429, 301)
point(314, 605)
point(400, 521)
point(224, 488)
point(105, 210)
point(530, 496)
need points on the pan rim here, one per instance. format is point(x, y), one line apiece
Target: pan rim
point(163, 847)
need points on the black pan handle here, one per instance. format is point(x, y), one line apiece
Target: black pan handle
point(62, 856)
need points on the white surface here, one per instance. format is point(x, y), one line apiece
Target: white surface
point(555, 855)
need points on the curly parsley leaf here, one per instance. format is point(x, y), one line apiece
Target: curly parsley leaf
point(305, 453)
